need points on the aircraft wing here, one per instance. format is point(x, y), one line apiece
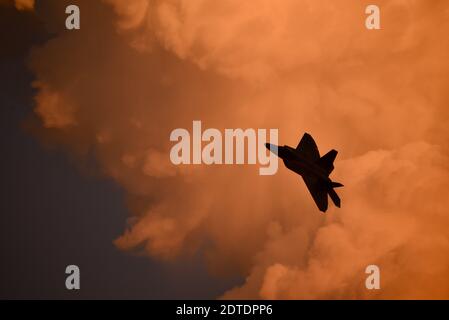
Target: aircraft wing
point(307, 147)
point(327, 161)
point(318, 191)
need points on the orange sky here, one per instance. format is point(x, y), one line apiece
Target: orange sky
point(139, 69)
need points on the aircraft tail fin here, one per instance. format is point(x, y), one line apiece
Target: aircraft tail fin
point(327, 161)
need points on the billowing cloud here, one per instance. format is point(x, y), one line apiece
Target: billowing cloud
point(139, 69)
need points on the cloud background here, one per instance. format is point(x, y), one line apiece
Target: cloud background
point(20, 5)
point(139, 69)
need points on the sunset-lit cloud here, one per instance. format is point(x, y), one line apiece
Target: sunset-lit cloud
point(19, 4)
point(24, 4)
point(139, 69)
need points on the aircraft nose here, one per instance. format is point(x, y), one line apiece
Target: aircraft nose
point(273, 148)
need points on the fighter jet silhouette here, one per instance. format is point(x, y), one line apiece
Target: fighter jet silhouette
point(305, 160)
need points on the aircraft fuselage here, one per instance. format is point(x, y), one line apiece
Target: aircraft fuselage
point(300, 164)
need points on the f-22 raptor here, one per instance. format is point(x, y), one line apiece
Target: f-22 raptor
point(305, 160)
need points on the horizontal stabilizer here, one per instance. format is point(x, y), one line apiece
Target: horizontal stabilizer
point(337, 185)
point(335, 198)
